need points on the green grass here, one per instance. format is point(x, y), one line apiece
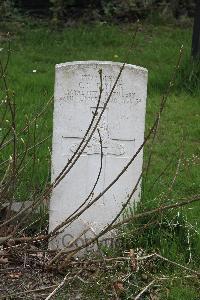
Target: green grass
point(156, 48)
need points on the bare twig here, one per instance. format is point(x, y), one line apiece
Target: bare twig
point(58, 255)
point(177, 264)
point(144, 290)
point(98, 176)
point(163, 171)
point(32, 121)
point(58, 287)
point(32, 291)
point(77, 153)
point(160, 209)
point(137, 216)
point(163, 100)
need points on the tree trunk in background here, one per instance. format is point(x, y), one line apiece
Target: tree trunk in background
point(196, 32)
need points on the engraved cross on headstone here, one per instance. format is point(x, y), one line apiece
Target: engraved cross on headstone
point(110, 146)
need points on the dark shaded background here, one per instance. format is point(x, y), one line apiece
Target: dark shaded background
point(116, 9)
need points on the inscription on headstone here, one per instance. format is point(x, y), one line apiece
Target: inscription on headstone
point(121, 129)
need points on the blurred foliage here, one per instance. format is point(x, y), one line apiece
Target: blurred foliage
point(57, 8)
point(123, 10)
point(99, 10)
point(7, 9)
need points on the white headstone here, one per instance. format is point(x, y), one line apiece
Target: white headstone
point(122, 132)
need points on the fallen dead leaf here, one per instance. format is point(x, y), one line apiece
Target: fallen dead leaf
point(119, 287)
point(15, 275)
point(3, 260)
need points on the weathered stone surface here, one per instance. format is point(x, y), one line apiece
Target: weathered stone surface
point(122, 132)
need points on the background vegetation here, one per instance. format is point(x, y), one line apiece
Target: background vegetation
point(68, 11)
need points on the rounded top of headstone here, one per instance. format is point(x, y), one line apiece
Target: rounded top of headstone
point(97, 63)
